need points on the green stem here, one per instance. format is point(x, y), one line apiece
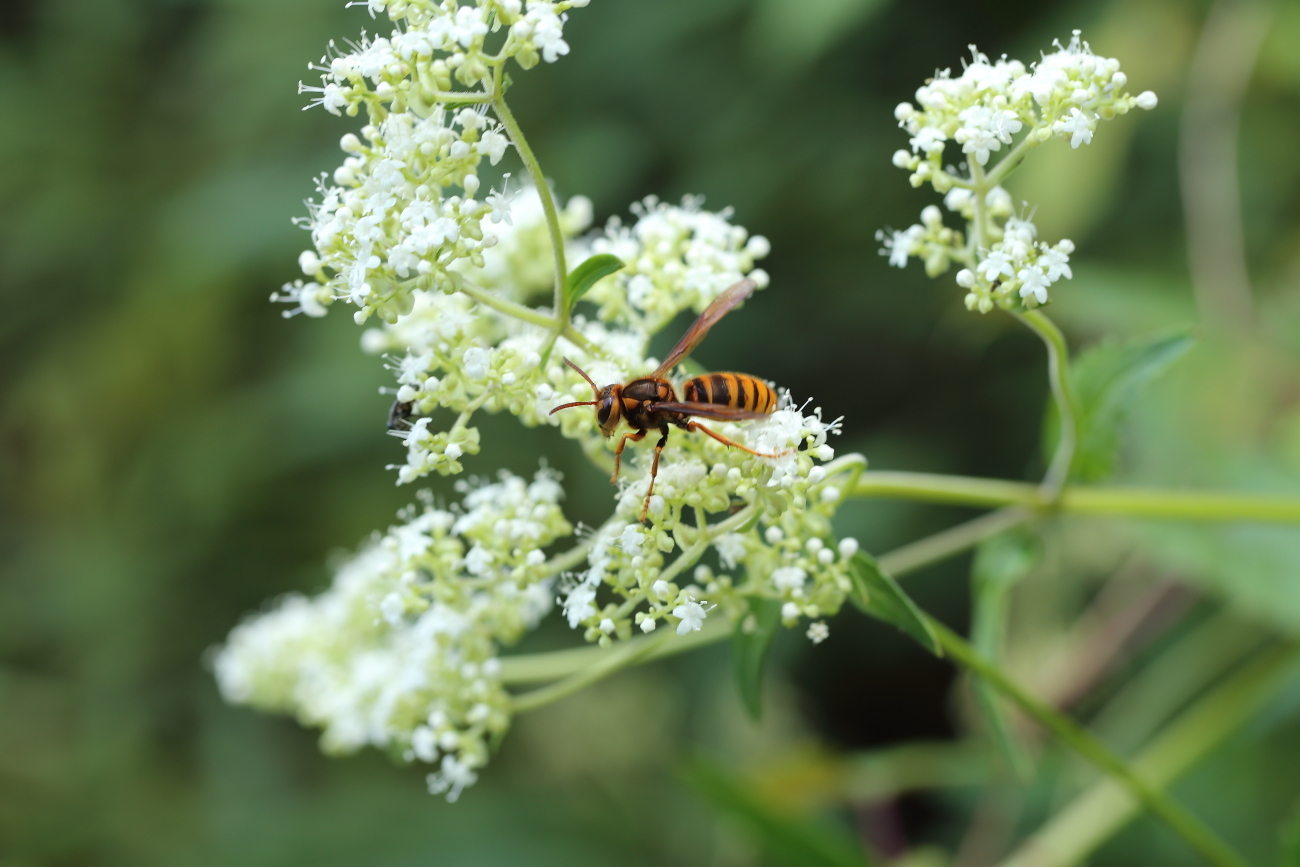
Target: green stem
point(1079, 500)
point(629, 653)
point(1184, 823)
point(543, 667)
point(1067, 402)
point(451, 97)
point(1008, 163)
point(1107, 807)
point(509, 308)
point(543, 193)
point(954, 540)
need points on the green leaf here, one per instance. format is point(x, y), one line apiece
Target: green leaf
point(1108, 379)
point(785, 839)
point(750, 648)
point(1000, 563)
point(880, 596)
point(585, 276)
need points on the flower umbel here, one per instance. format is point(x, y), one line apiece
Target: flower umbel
point(992, 105)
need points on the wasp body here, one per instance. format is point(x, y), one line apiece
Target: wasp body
point(650, 402)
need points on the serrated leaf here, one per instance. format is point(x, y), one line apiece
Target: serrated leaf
point(585, 276)
point(1000, 563)
point(785, 840)
point(750, 647)
point(879, 595)
point(1108, 379)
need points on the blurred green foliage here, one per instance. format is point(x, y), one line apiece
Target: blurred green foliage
point(174, 453)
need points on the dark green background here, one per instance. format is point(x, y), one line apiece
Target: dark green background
point(174, 453)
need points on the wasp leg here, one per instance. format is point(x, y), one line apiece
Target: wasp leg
point(654, 470)
point(695, 425)
point(635, 437)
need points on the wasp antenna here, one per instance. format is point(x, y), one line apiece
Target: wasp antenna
point(595, 388)
point(575, 403)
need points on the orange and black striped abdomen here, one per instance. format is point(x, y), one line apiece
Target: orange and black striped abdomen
point(738, 390)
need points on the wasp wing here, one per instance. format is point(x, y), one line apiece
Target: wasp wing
point(721, 306)
point(710, 410)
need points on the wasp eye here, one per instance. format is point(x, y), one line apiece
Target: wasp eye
point(603, 411)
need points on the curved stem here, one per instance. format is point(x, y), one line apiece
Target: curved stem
point(1105, 808)
point(1079, 739)
point(543, 193)
point(1081, 500)
point(506, 307)
point(1067, 402)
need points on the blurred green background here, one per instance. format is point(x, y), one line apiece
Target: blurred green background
point(175, 453)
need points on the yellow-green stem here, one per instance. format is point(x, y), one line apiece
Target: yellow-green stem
point(1080, 500)
point(1077, 738)
point(1106, 807)
point(543, 193)
point(1067, 403)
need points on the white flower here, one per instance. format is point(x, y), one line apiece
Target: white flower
point(454, 778)
point(1034, 283)
point(996, 266)
point(691, 614)
point(789, 579)
point(818, 632)
point(1078, 126)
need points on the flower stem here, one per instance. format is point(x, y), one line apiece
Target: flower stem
point(1106, 807)
point(543, 193)
point(506, 307)
point(543, 667)
point(1178, 818)
point(1067, 402)
point(1080, 500)
point(1010, 162)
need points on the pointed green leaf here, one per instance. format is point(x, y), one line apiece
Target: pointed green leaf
point(1108, 379)
point(880, 596)
point(750, 648)
point(787, 840)
point(585, 276)
point(1000, 563)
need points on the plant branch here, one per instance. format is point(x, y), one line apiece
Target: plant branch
point(1106, 807)
point(1178, 818)
point(507, 307)
point(1081, 500)
point(543, 193)
point(544, 667)
point(1067, 402)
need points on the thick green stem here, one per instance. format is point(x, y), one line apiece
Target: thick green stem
point(1067, 403)
point(543, 193)
point(1107, 807)
point(1184, 823)
point(1078, 500)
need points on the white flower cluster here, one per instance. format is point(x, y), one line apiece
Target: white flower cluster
point(1063, 95)
point(678, 257)
point(764, 510)
point(401, 651)
point(436, 42)
point(385, 230)
point(1016, 268)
